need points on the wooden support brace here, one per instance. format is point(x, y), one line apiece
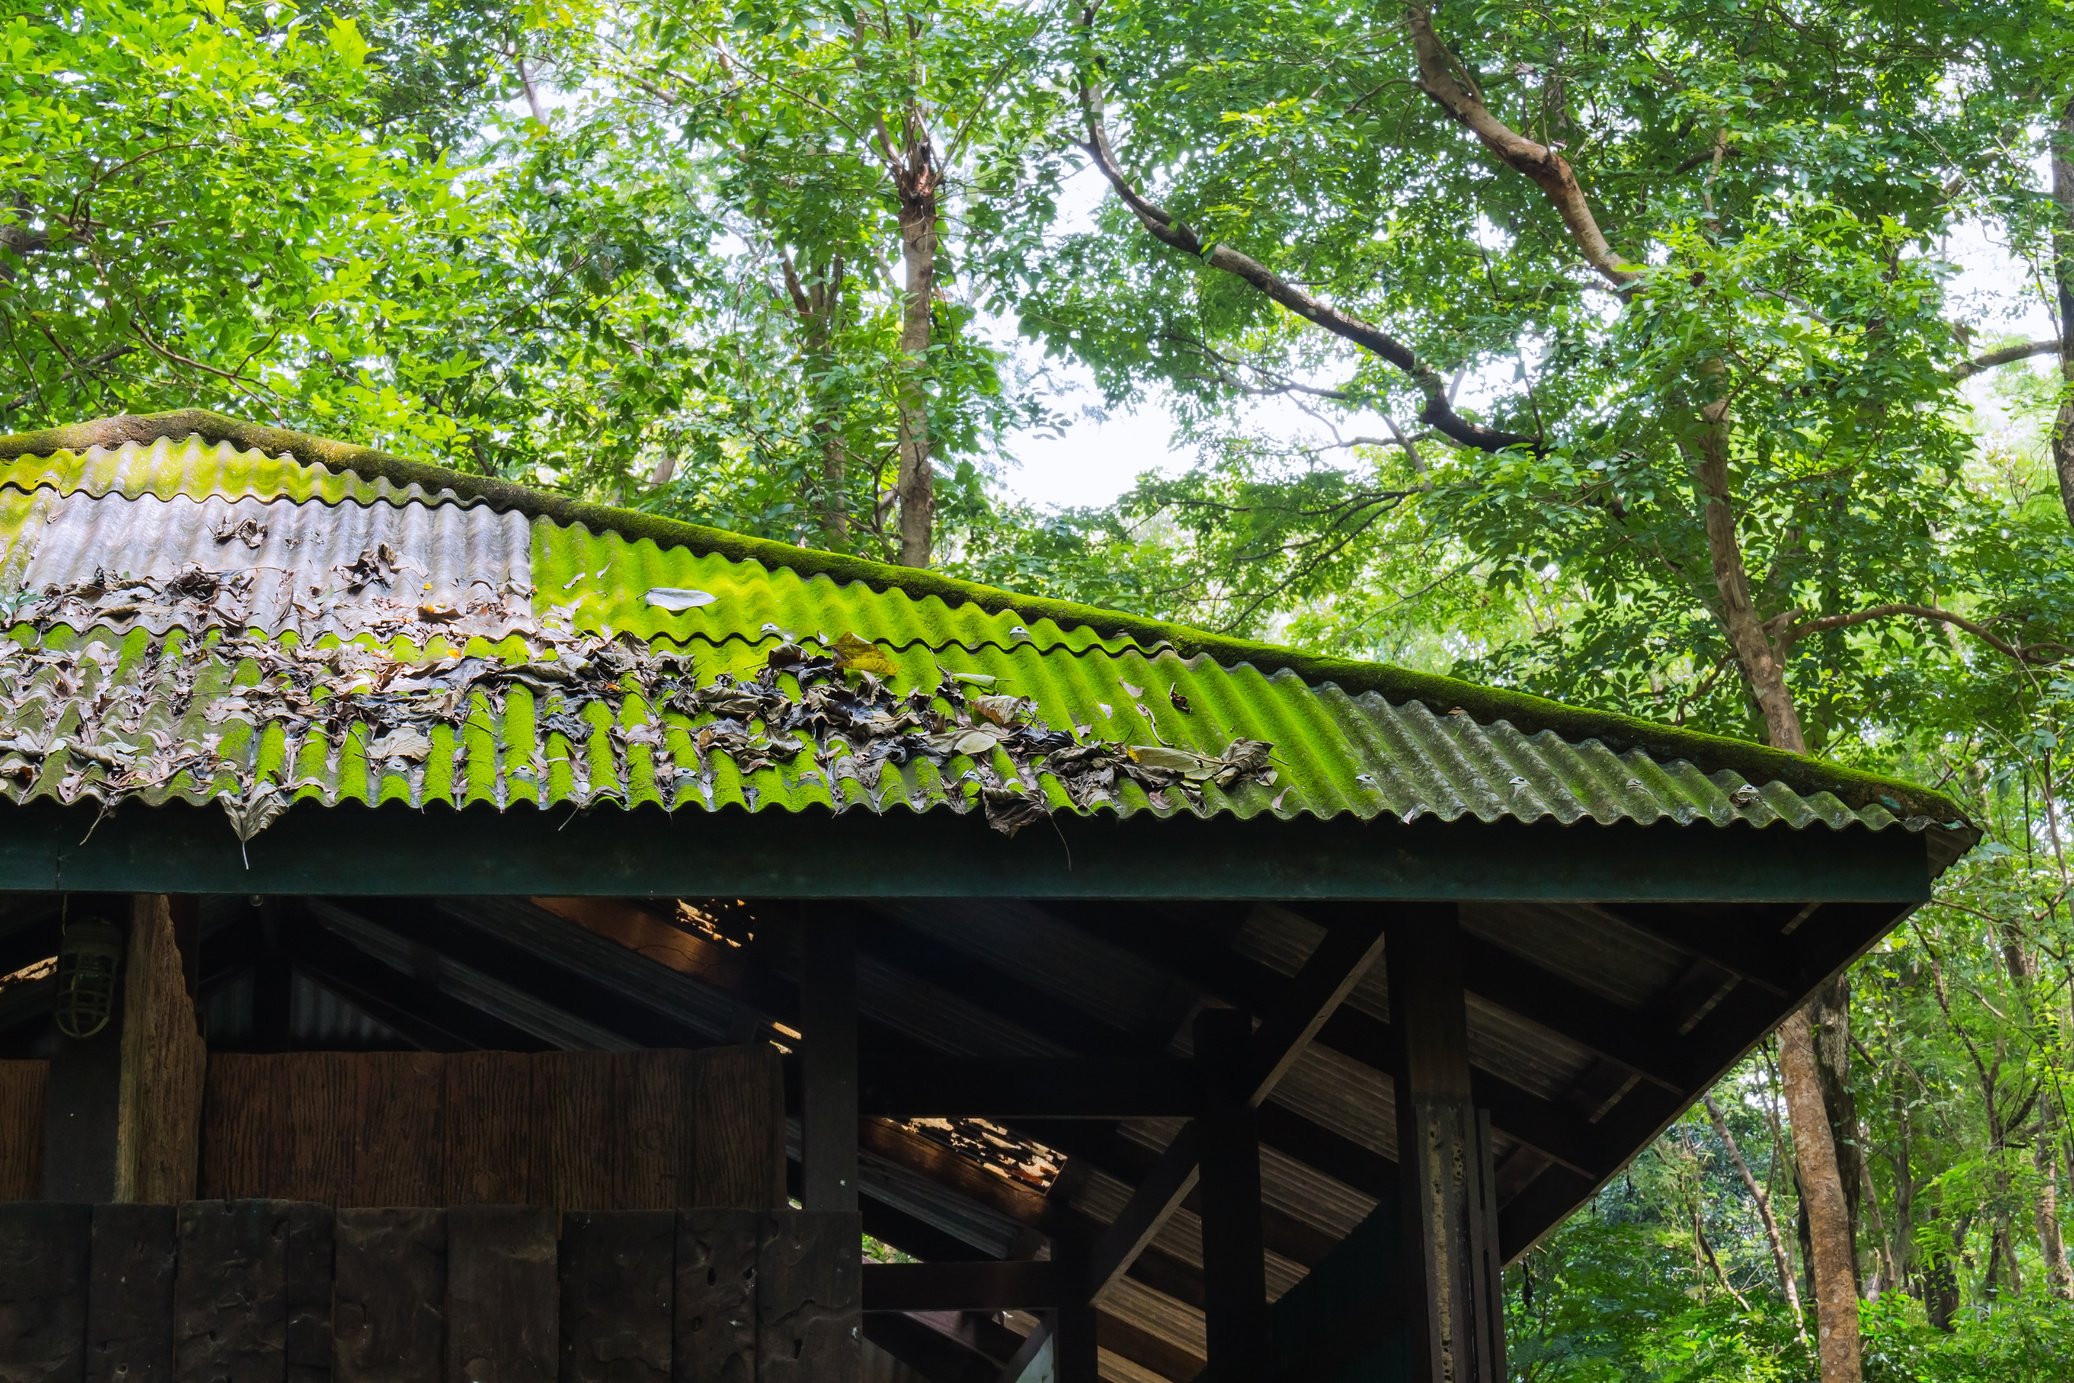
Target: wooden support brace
point(1234, 1262)
point(1449, 1200)
point(828, 1061)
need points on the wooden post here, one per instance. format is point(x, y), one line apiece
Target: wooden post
point(1074, 1357)
point(828, 1061)
point(1234, 1257)
point(159, 1120)
point(1447, 1190)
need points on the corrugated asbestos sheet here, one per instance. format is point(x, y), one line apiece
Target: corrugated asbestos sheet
point(196, 622)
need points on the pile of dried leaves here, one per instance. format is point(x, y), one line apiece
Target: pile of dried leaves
point(837, 707)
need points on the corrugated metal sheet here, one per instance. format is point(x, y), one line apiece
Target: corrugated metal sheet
point(341, 569)
point(162, 694)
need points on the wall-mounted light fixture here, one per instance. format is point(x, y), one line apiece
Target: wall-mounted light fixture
point(89, 960)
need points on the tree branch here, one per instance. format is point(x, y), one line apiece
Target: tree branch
point(1438, 412)
point(1444, 79)
point(2005, 355)
point(2033, 654)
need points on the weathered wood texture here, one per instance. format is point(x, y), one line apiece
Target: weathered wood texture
point(1448, 1204)
point(230, 1292)
point(715, 1327)
point(294, 1292)
point(159, 1094)
point(21, 1128)
point(501, 1294)
point(809, 1291)
point(388, 1304)
point(618, 1270)
point(129, 1309)
point(43, 1292)
point(648, 1130)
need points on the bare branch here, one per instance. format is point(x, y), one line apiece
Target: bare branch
point(1443, 78)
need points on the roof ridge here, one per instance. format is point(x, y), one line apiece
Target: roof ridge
point(1757, 763)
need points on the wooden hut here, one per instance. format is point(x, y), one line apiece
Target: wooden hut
point(550, 936)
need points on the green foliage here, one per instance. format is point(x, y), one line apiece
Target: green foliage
point(650, 254)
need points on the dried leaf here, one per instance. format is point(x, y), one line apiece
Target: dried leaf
point(438, 614)
point(679, 598)
point(1002, 710)
point(853, 654)
point(975, 742)
point(258, 809)
point(404, 742)
point(1134, 693)
point(1179, 701)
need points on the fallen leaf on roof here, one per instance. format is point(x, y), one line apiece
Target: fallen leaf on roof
point(1002, 710)
point(853, 654)
point(679, 598)
point(1134, 693)
point(1180, 702)
point(250, 532)
point(401, 743)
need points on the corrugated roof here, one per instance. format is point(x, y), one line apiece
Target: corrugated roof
point(201, 622)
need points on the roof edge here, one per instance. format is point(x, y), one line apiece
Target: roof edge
point(1757, 763)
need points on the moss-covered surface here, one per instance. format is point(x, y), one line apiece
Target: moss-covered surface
point(1755, 763)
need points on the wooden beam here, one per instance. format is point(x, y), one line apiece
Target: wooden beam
point(926, 1351)
point(1224, 975)
point(423, 1014)
point(1075, 1326)
point(1574, 1013)
point(1825, 942)
point(1749, 943)
point(1449, 1201)
point(1029, 1087)
point(828, 1060)
point(177, 848)
point(1332, 970)
point(159, 1120)
point(1234, 1259)
point(994, 1284)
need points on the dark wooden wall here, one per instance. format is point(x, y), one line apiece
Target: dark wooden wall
point(646, 1130)
point(21, 1129)
point(292, 1292)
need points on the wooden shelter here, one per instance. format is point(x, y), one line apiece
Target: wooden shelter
point(551, 935)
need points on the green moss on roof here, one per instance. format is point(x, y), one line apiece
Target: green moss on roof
point(1622, 733)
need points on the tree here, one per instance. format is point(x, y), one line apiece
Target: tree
point(1715, 422)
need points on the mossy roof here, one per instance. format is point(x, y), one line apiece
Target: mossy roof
point(238, 684)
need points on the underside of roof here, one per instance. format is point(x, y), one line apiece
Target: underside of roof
point(1590, 1028)
point(199, 620)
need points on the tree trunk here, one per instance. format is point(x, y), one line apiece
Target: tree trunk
point(1832, 1261)
point(2063, 278)
point(916, 488)
point(1830, 1012)
point(1832, 1249)
point(2052, 1244)
point(1782, 1262)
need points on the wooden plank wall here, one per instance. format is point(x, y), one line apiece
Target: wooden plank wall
point(21, 1128)
point(646, 1130)
point(295, 1292)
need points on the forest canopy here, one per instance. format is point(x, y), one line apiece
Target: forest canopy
point(1704, 361)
